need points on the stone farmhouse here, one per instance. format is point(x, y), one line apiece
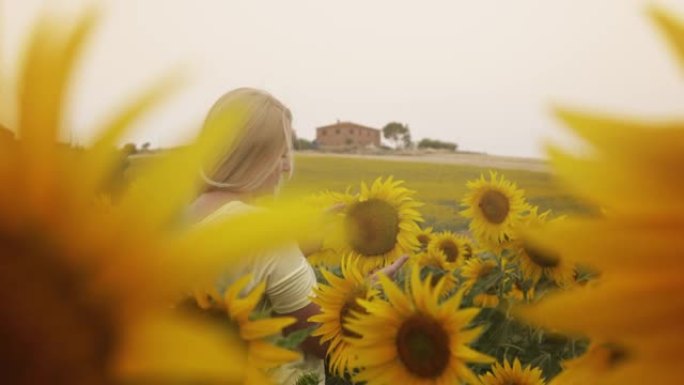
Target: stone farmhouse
point(346, 135)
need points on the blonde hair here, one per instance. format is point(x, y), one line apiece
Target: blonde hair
point(257, 151)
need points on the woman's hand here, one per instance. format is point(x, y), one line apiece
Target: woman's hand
point(390, 270)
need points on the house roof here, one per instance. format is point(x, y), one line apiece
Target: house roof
point(341, 124)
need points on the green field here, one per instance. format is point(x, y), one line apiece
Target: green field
point(439, 186)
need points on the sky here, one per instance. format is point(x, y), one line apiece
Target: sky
point(482, 73)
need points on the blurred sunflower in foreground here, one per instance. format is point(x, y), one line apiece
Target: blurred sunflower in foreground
point(235, 312)
point(338, 300)
point(380, 223)
point(634, 313)
point(86, 287)
point(535, 261)
point(412, 338)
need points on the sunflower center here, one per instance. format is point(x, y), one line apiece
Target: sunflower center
point(450, 250)
point(346, 313)
point(616, 354)
point(485, 270)
point(373, 227)
point(543, 259)
point(494, 206)
point(423, 346)
point(48, 302)
point(467, 251)
point(424, 239)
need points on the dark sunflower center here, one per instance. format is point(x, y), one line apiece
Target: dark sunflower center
point(423, 346)
point(616, 354)
point(55, 329)
point(424, 239)
point(346, 314)
point(467, 251)
point(494, 206)
point(542, 258)
point(373, 227)
point(450, 250)
point(485, 270)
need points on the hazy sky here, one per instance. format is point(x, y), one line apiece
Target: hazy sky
point(482, 73)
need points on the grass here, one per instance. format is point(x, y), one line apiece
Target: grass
point(439, 186)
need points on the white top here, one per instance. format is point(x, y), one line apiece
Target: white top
point(289, 284)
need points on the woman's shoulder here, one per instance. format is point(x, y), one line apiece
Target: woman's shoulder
point(229, 209)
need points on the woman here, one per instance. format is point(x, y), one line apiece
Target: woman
point(254, 166)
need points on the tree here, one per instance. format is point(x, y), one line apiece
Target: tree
point(437, 144)
point(303, 144)
point(129, 149)
point(397, 133)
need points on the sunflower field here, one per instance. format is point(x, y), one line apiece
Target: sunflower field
point(577, 278)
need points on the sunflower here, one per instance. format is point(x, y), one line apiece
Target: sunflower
point(600, 359)
point(535, 261)
point(486, 300)
point(456, 249)
point(85, 285)
point(338, 300)
point(437, 265)
point(413, 339)
point(514, 374)
point(518, 293)
point(636, 245)
point(322, 249)
point(495, 208)
point(424, 237)
point(381, 223)
point(324, 258)
point(233, 312)
point(477, 269)
point(262, 355)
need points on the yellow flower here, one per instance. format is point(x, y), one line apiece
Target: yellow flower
point(477, 269)
point(455, 248)
point(495, 208)
point(517, 293)
point(535, 261)
point(381, 224)
point(486, 300)
point(439, 269)
point(262, 355)
point(633, 169)
point(424, 237)
point(413, 339)
point(514, 374)
point(590, 368)
point(338, 300)
point(324, 258)
point(86, 287)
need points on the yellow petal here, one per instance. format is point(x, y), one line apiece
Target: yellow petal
point(166, 348)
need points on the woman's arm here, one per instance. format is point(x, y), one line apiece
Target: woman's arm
point(311, 345)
